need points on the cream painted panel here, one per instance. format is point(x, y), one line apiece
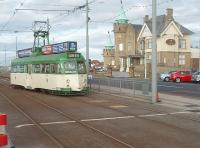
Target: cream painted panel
point(18, 78)
point(50, 81)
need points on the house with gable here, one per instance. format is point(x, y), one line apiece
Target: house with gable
point(173, 42)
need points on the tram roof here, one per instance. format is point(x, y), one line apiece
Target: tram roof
point(45, 59)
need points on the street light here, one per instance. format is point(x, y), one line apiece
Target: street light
point(154, 52)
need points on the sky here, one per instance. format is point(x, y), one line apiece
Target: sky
point(72, 26)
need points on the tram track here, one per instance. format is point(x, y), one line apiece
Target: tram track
point(68, 117)
point(119, 111)
point(43, 130)
point(135, 103)
point(31, 95)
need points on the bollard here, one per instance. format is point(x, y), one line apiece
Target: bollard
point(3, 135)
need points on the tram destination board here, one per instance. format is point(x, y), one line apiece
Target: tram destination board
point(74, 55)
point(24, 52)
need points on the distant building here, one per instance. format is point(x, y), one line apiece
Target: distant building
point(195, 58)
point(173, 41)
point(109, 53)
point(133, 44)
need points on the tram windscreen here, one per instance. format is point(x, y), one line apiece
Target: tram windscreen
point(81, 68)
point(70, 67)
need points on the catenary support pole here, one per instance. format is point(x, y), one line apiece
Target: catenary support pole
point(87, 38)
point(154, 52)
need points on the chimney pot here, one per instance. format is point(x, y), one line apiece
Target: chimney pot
point(146, 18)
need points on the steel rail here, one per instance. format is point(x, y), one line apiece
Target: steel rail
point(51, 137)
point(77, 121)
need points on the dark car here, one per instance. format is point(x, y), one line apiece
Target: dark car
point(181, 76)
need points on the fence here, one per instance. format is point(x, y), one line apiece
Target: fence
point(123, 86)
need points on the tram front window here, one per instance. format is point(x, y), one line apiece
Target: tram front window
point(81, 68)
point(70, 67)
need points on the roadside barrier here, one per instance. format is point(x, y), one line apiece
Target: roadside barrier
point(3, 135)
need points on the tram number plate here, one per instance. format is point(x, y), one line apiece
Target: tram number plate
point(74, 55)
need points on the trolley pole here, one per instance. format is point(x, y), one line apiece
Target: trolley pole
point(87, 38)
point(16, 45)
point(154, 52)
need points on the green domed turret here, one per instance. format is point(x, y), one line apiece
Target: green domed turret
point(122, 18)
point(109, 44)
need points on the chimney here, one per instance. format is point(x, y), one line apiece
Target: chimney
point(170, 14)
point(146, 18)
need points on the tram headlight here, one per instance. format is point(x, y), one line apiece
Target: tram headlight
point(67, 82)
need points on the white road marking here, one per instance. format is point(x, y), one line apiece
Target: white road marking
point(170, 86)
point(104, 119)
point(23, 125)
point(118, 106)
point(186, 112)
point(62, 122)
point(152, 115)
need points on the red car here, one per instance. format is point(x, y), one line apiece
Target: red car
point(181, 76)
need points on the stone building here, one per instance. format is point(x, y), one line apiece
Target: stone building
point(126, 35)
point(173, 42)
point(109, 53)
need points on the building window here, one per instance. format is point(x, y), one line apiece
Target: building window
point(149, 43)
point(181, 59)
point(164, 60)
point(182, 43)
point(142, 43)
point(121, 47)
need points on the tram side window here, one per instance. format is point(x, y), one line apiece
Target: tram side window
point(14, 69)
point(37, 68)
point(20, 68)
point(42, 68)
point(47, 68)
point(53, 68)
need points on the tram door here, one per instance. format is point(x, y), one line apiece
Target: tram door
point(28, 76)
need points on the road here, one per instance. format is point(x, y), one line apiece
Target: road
point(189, 90)
point(96, 121)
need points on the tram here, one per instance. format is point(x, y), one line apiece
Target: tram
point(51, 68)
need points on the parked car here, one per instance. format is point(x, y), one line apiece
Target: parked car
point(196, 77)
point(181, 76)
point(166, 76)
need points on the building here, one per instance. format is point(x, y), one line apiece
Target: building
point(195, 59)
point(173, 42)
point(125, 52)
point(109, 53)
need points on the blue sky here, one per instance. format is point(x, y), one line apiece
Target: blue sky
point(72, 26)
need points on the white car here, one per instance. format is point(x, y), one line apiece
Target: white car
point(196, 77)
point(166, 76)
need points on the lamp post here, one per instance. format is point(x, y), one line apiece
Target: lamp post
point(87, 38)
point(154, 52)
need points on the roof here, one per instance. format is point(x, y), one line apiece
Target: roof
point(122, 18)
point(137, 27)
point(161, 25)
point(109, 44)
point(44, 59)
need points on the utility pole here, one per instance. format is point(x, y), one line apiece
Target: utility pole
point(199, 55)
point(87, 38)
point(154, 52)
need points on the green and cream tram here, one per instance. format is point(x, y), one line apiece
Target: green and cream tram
point(62, 73)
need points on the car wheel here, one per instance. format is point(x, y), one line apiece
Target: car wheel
point(178, 80)
point(167, 79)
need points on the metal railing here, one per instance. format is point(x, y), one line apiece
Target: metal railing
point(122, 86)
